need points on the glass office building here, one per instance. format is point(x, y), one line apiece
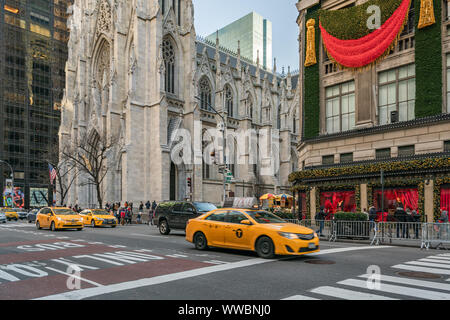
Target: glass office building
point(255, 35)
point(33, 53)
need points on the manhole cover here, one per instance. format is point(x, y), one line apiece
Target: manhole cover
point(320, 262)
point(421, 275)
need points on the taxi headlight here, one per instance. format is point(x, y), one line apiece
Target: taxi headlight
point(288, 235)
point(100, 219)
point(59, 219)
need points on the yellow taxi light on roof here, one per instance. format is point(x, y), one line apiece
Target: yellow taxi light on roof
point(11, 9)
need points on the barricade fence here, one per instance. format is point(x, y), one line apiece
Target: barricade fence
point(425, 235)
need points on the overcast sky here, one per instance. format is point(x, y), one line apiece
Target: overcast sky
point(211, 15)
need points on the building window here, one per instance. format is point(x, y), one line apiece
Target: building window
point(447, 146)
point(397, 92)
point(383, 153)
point(229, 101)
point(169, 61)
point(406, 151)
point(328, 160)
point(447, 10)
point(448, 83)
point(205, 94)
point(409, 27)
point(279, 117)
point(347, 157)
point(340, 107)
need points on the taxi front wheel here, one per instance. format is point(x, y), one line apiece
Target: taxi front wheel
point(265, 248)
point(200, 241)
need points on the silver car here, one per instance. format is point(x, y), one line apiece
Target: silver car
point(2, 217)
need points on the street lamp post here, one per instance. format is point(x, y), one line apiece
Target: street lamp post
point(12, 179)
point(224, 148)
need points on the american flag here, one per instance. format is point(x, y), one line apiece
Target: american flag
point(52, 173)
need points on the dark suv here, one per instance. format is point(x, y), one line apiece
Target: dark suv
point(175, 214)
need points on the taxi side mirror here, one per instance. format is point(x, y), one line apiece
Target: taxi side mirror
point(247, 222)
point(49, 214)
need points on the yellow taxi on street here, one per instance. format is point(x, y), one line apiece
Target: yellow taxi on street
point(253, 230)
point(58, 218)
point(98, 218)
point(10, 213)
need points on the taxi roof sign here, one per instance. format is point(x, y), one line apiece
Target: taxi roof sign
point(241, 203)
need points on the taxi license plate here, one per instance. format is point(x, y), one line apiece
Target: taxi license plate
point(311, 246)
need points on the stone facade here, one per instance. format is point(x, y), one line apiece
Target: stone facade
point(137, 70)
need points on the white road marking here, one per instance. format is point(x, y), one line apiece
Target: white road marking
point(439, 257)
point(300, 297)
point(435, 261)
point(427, 264)
point(339, 250)
point(75, 276)
point(400, 290)
point(92, 292)
point(348, 294)
point(176, 256)
point(149, 235)
point(413, 282)
point(215, 262)
point(421, 269)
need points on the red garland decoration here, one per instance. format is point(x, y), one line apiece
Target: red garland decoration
point(361, 52)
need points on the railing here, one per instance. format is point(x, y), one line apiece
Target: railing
point(425, 235)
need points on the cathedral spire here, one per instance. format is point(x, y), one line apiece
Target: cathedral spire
point(257, 73)
point(275, 80)
point(238, 62)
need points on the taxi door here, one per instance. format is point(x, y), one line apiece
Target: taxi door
point(45, 216)
point(237, 235)
point(85, 216)
point(214, 228)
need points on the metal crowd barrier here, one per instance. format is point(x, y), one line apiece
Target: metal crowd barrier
point(438, 233)
point(398, 231)
point(327, 226)
point(377, 233)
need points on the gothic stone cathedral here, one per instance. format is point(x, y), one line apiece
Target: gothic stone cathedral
point(137, 70)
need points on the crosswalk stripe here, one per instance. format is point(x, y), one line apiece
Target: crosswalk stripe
point(400, 290)
point(439, 257)
point(413, 282)
point(348, 294)
point(300, 297)
point(427, 264)
point(421, 269)
point(435, 261)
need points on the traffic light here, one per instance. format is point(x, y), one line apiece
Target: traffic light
point(189, 182)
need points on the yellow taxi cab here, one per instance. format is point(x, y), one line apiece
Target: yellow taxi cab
point(10, 213)
point(98, 218)
point(58, 218)
point(253, 230)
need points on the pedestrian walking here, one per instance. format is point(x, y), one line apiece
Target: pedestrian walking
point(320, 217)
point(141, 211)
point(443, 229)
point(129, 215)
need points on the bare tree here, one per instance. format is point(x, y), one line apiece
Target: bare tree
point(90, 155)
point(66, 172)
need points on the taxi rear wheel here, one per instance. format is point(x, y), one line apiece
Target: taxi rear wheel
point(38, 225)
point(265, 248)
point(93, 223)
point(52, 227)
point(200, 241)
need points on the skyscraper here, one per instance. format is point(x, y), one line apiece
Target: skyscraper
point(255, 36)
point(33, 52)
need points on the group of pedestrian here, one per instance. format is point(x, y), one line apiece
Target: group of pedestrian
point(76, 208)
point(124, 213)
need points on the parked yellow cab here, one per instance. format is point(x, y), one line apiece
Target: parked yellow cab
point(98, 218)
point(58, 218)
point(10, 213)
point(254, 230)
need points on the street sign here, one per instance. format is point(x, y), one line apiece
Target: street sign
point(229, 177)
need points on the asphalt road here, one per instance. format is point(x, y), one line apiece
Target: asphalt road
point(136, 262)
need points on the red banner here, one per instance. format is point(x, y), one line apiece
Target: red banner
point(408, 197)
point(336, 201)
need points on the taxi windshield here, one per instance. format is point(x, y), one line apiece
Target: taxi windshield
point(265, 217)
point(100, 212)
point(64, 212)
point(204, 207)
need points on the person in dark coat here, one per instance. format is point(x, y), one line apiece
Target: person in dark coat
point(400, 217)
point(320, 217)
point(416, 220)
